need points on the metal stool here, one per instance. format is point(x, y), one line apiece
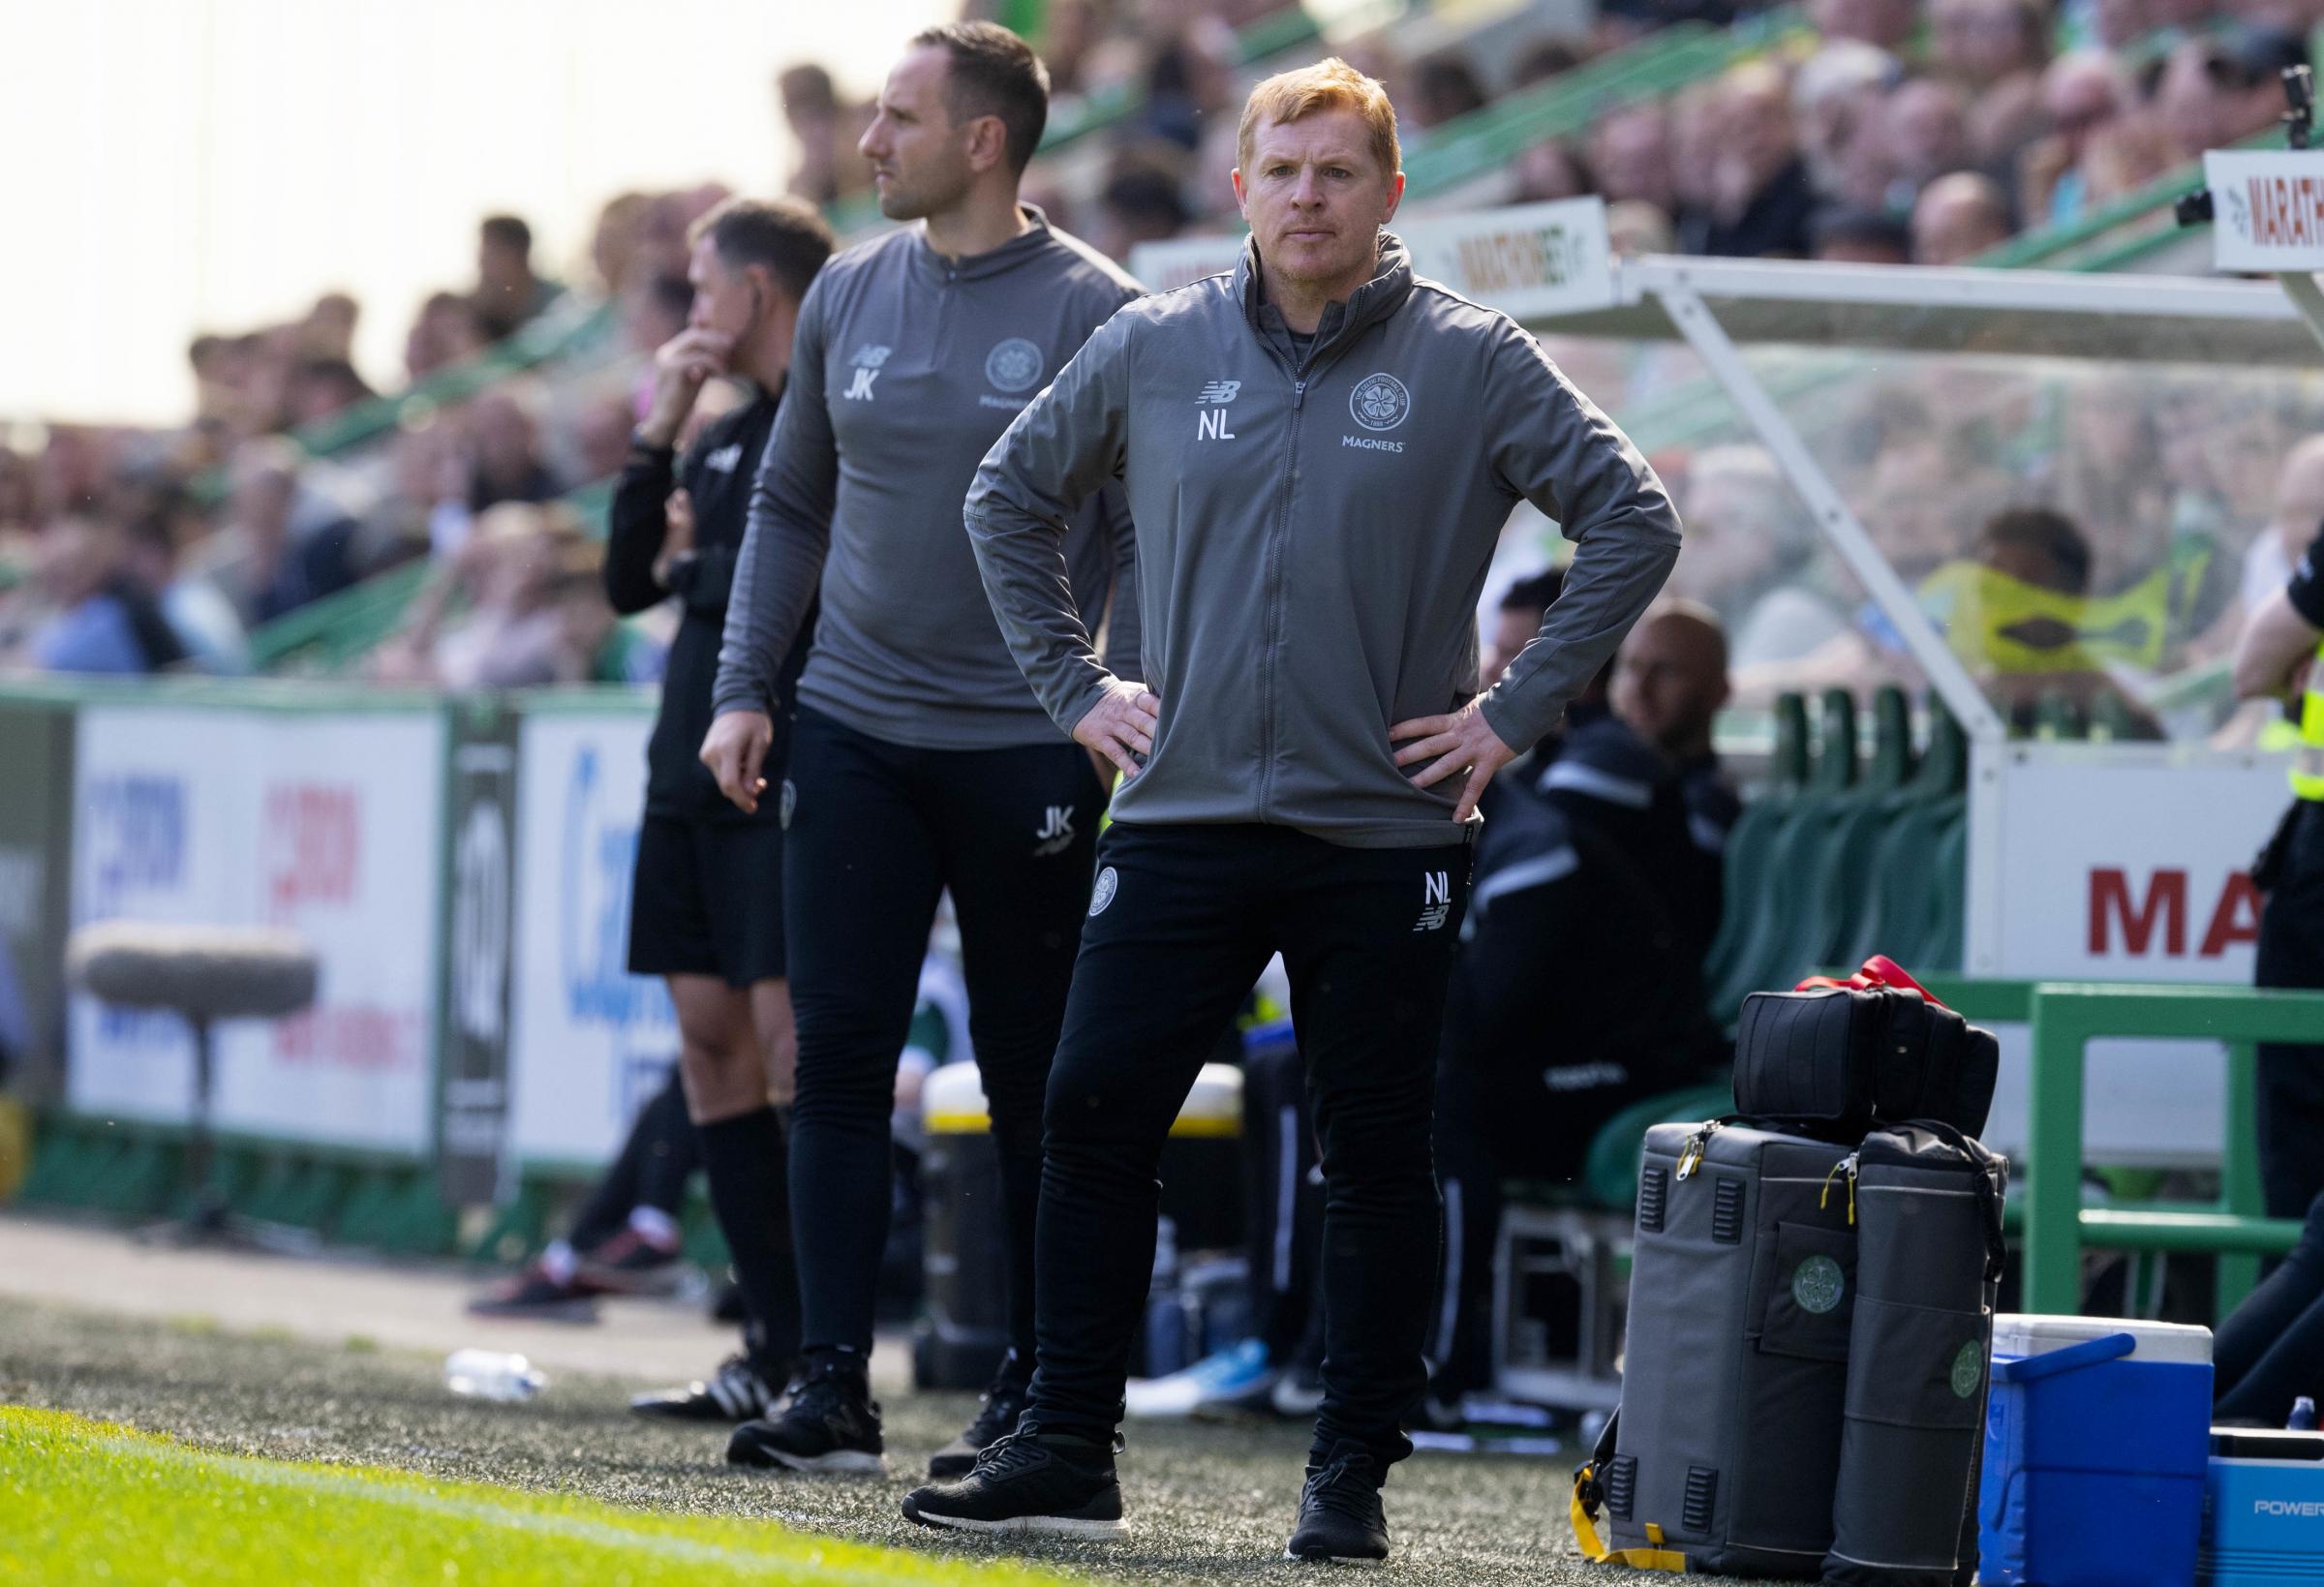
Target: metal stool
point(203, 974)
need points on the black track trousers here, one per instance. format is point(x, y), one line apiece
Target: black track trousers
point(874, 833)
point(1181, 921)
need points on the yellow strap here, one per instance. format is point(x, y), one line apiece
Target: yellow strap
point(1593, 1548)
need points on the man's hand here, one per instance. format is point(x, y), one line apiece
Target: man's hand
point(1460, 742)
point(678, 534)
point(1120, 727)
point(733, 750)
point(681, 366)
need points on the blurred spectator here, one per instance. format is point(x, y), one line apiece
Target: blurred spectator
point(1834, 102)
point(101, 620)
point(826, 130)
point(19, 502)
point(615, 241)
point(1761, 199)
point(654, 306)
point(448, 330)
point(518, 605)
point(502, 432)
point(201, 618)
point(598, 440)
point(1695, 140)
point(1444, 89)
point(507, 290)
point(1188, 85)
point(329, 331)
point(1886, 24)
point(2213, 94)
point(324, 388)
point(1957, 218)
point(2080, 94)
point(1141, 203)
point(1927, 128)
point(282, 546)
point(1070, 32)
point(1747, 554)
point(1547, 58)
point(1846, 235)
point(1978, 43)
point(1630, 155)
point(1546, 171)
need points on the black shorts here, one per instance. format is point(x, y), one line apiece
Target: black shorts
point(707, 900)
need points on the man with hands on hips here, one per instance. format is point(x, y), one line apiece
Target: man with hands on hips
point(1320, 452)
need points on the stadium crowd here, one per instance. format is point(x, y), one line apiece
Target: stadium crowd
point(1864, 129)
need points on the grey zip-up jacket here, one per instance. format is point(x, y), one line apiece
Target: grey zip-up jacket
point(906, 367)
point(1312, 540)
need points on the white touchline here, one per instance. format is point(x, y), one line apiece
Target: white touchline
point(570, 1527)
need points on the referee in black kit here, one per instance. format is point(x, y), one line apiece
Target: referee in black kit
point(1320, 451)
point(707, 909)
point(922, 763)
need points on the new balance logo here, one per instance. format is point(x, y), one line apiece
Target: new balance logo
point(867, 360)
point(1436, 899)
point(1211, 425)
point(1055, 836)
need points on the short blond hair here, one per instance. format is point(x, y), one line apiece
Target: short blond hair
point(1328, 85)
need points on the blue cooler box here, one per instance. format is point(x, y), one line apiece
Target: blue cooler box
point(2263, 1514)
point(2096, 1443)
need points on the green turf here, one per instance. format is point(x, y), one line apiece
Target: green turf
point(1207, 1503)
point(89, 1502)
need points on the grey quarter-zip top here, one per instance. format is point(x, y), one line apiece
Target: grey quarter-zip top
point(905, 368)
point(1313, 537)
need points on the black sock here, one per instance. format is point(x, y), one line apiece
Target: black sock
point(749, 1192)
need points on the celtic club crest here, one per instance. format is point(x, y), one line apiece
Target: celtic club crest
point(1014, 365)
point(1379, 402)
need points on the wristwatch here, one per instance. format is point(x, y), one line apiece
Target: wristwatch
point(640, 444)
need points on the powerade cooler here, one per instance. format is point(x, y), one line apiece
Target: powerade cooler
point(2263, 1509)
point(2095, 1443)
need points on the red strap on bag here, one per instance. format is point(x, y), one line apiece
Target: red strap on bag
point(1879, 970)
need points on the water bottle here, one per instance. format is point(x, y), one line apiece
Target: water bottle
point(491, 1375)
point(2303, 1416)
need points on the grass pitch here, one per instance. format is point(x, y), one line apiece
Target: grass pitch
point(90, 1502)
point(279, 1460)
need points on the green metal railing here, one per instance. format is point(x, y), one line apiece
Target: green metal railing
point(2066, 1017)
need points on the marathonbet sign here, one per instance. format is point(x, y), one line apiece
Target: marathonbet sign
point(2267, 209)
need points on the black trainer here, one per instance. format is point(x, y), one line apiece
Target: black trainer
point(629, 1264)
point(737, 1391)
point(831, 1424)
point(1004, 1399)
point(532, 1294)
point(1028, 1481)
point(1340, 1519)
